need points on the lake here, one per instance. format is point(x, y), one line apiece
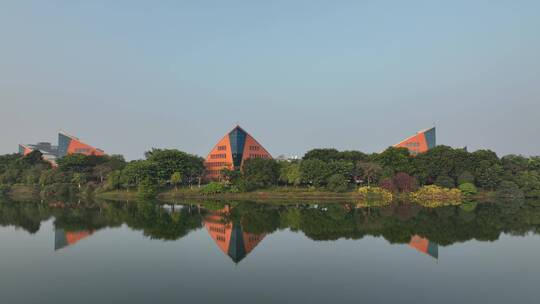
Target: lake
point(242, 252)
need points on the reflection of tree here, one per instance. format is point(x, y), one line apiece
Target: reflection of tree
point(27, 216)
point(157, 223)
point(444, 226)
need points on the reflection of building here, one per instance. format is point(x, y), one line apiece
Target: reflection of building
point(425, 246)
point(230, 237)
point(67, 144)
point(64, 238)
point(419, 143)
point(231, 151)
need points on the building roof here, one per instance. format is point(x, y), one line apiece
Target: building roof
point(419, 132)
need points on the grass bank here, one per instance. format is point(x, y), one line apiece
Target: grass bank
point(275, 194)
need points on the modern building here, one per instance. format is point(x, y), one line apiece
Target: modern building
point(229, 236)
point(231, 152)
point(421, 142)
point(67, 144)
point(49, 152)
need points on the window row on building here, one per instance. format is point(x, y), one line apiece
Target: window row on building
point(218, 164)
point(218, 156)
point(258, 156)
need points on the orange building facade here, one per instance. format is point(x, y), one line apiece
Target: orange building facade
point(231, 152)
point(419, 143)
point(67, 144)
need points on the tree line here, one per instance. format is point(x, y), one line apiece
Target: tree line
point(326, 169)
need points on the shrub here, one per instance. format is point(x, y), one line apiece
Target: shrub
point(214, 188)
point(468, 189)
point(435, 196)
point(337, 183)
point(374, 196)
point(445, 181)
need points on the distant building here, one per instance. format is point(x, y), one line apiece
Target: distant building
point(231, 152)
point(421, 142)
point(49, 152)
point(283, 157)
point(67, 144)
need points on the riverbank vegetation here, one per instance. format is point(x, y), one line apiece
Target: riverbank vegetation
point(395, 173)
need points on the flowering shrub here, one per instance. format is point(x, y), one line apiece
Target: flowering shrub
point(434, 196)
point(374, 196)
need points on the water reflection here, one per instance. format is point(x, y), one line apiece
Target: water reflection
point(64, 238)
point(229, 235)
point(238, 227)
point(425, 246)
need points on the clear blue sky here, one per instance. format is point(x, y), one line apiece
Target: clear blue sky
point(131, 75)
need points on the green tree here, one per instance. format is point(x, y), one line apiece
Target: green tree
point(146, 189)
point(337, 183)
point(488, 176)
point(445, 181)
point(78, 179)
point(395, 160)
point(343, 168)
point(314, 172)
point(169, 161)
point(465, 177)
point(289, 173)
point(114, 180)
point(260, 173)
point(529, 183)
point(369, 171)
point(508, 190)
point(176, 178)
point(325, 154)
point(139, 170)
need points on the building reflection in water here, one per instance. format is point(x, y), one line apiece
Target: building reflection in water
point(425, 246)
point(64, 238)
point(229, 236)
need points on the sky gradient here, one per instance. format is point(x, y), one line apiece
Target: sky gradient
point(127, 76)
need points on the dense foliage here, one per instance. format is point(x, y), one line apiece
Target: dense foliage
point(393, 169)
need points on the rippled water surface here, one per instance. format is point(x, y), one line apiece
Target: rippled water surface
point(261, 253)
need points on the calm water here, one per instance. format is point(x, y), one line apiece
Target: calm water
point(256, 253)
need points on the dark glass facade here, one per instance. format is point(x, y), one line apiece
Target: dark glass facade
point(237, 138)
